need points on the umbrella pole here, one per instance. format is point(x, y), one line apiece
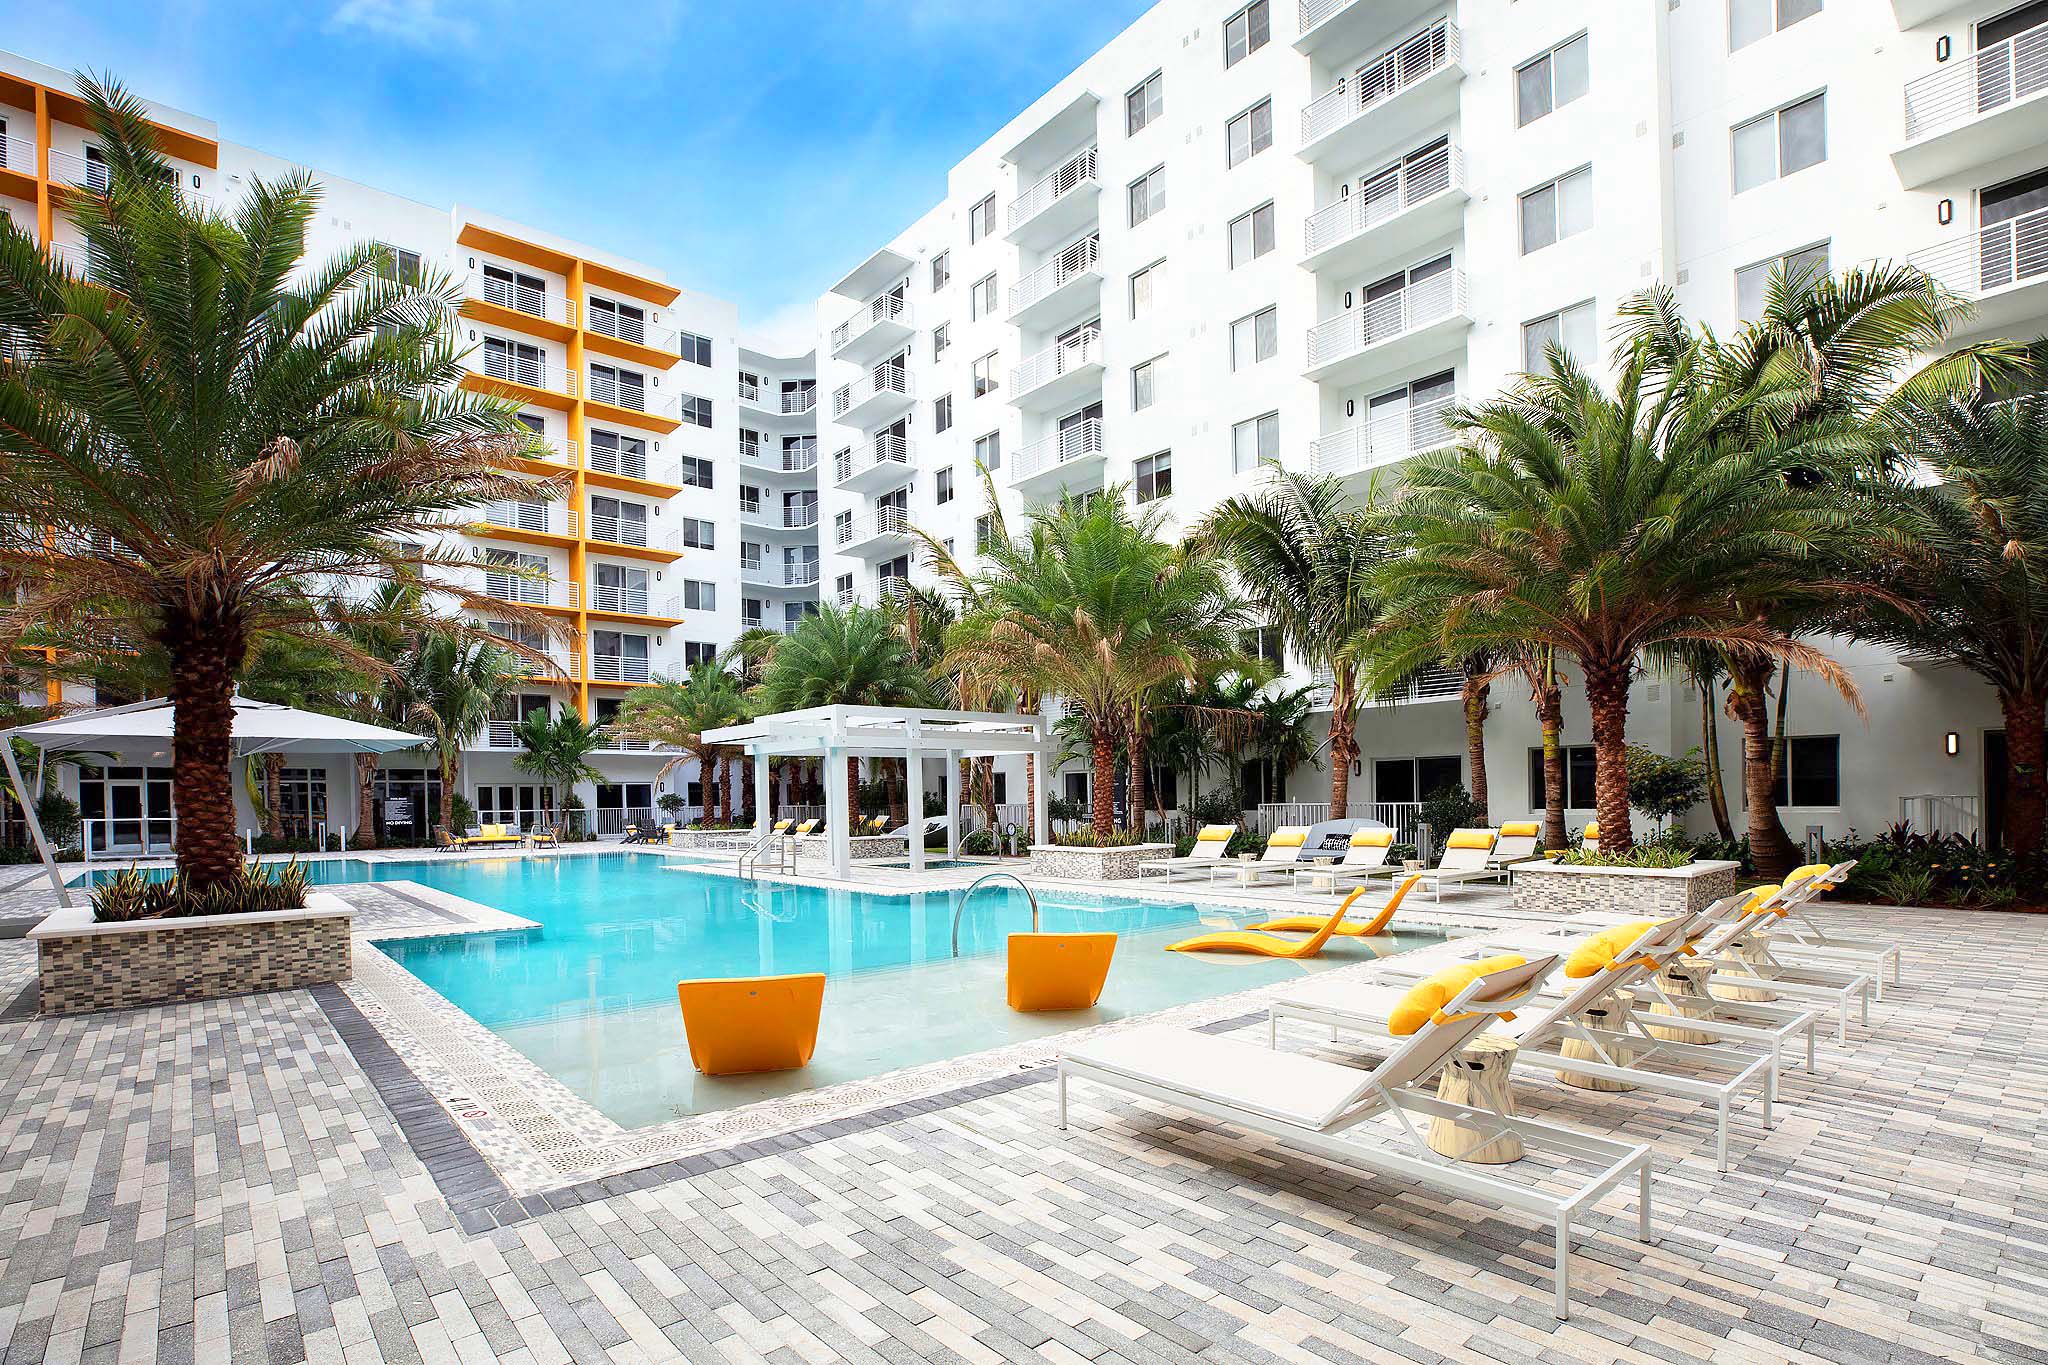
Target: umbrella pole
point(35, 826)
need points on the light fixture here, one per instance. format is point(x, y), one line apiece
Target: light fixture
point(1953, 743)
point(1357, 767)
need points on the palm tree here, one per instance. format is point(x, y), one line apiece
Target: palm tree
point(219, 442)
point(1476, 672)
point(1538, 665)
point(1285, 739)
point(557, 749)
point(843, 657)
point(679, 712)
point(1305, 553)
point(453, 686)
point(291, 670)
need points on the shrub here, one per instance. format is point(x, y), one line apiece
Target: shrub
point(980, 844)
point(58, 815)
point(671, 804)
point(1663, 788)
point(461, 814)
point(1448, 808)
point(1213, 808)
point(132, 895)
point(1088, 838)
point(1643, 855)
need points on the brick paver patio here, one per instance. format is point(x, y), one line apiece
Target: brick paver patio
point(222, 1181)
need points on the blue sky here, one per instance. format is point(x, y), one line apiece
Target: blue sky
point(754, 151)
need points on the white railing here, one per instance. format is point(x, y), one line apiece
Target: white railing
point(1978, 83)
point(532, 592)
point(1437, 173)
point(1433, 683)
point(618, 741)
point(607, 597)
point(890, 589)
point(632, 397)
point(618, 668)
point(535, 374)
point(1400, 816)
point(1381, 79)
point(799, 401)
point(612, 820)
point(750, 393)
point(753, 569)
point(551, 518)
point(554, 450)
point(789, 459)
point(559, 665)
point(884, 450)
point(1077, 172)
point(1070, 265)
point(1056, 360)
point(1991, 257)
point(17, 154)
point(885, 521)
point(1382, 440)
point(789, 516)
point(763, 623)
point(128, 836)
point(620, 327)
point(1439, 297)
point(1078, 441)
point(877, 382)
point(70, 168)
point(622, 531)
point(77, 258)
point(502, 734)
point(629, 462)
point(520, 298)
point(1933, 814)
point(877, 310)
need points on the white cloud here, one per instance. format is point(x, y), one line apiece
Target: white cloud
point(420, 23)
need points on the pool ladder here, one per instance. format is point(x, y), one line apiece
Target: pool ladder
point(774, 843)
point(975, 886)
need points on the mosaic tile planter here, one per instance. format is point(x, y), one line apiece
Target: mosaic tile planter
point(82, 965)
point(1548, 888)
point(1094, 864)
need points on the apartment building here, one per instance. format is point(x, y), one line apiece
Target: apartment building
point(644, 399)
point(1293, 233)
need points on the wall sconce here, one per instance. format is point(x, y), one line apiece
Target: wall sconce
point(1945, 212)
point(472, 263)
point(472, 334)
point(1941, 48)
point(1953, 743)
point(1358, 767)
point(1351, 407)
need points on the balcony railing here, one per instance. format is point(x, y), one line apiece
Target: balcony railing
point(1977, 84)
point(891, 589)
point(520, 298)
point(1077, 172)
point(1072, 263)
point(880, 381)
point(749, 393)
point(619, 742)
point(633, 600)
point(754, 569)
point(77, 258)
point(502, 734)
point(885, 521)
point(1379, 80)
point(632, 463)
point(1432, 300)
point(551, 518)
point(619, 530)
point(633, 397)
point(799, 401)
point(639, 331)
point(1418, 180)
point(882, 308)
point(531, 592)
point(69, 168)
point(789, 516)
point(1384, 439)
point(17, 154)
point(1991, 257)
point(535, 374)
point(885, 450)
point(619, 668)
point(1077, 442)
point(789, 459)
point(1062, 358)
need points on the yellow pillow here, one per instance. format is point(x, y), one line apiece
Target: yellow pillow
point(1294, 836)
point(1373, 838)
point(1592, 830)
point(1425, 1001)
point(1211, 833)
point(1520, 829)
point(1470, 838)
point(1595, 953)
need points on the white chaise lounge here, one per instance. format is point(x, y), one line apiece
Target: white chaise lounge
point(1206, 854)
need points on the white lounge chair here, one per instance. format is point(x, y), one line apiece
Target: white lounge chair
point(1516, 843)
point(1466, 858)
point(1748, 960)
point(1210, 846)
point(1283, 848)
point(1799, 939)
point(1365, 857)
point(1369, 1119)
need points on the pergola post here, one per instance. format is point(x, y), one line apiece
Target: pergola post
point(913, 777)
point(1041, 801)
point(35, 825)
point(838, 812)
point(952, 803)
point(764, 796)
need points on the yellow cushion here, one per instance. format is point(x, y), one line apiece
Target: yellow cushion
point(1425, 1001)
point(1373, 838)
point(1520, 829)
point(1293, 836)
point(1470, 838)
point(1211, 833)
point(1592, 829)
point(1595, 953)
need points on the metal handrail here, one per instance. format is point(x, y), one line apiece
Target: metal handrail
point(975, 885)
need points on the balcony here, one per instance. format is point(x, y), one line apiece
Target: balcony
point(632, 535)
point(521, 379)
point(629, 601)
point(617, 741)
point(530, 592)
point(542, 523)
point(1067, 287)
point(884, 392)
point(502, 734)
point(1057, 206)
point(77, 258)
point(881, 592)
point(18, 156)
point(877, 328)
point(630, 400)
point(1400, 215)
point(79, 172)
point(1388, 102)
point(1059, 374)
point(508, 303)
point(2003, 269)
point(1390, 333)
point(1975, 110)
point(1073, 456)
point(878, 463)
point(768, 573)
point(1342, 27)
point(626, 668)
point(1381, 441)
point(778, 516)
point(884, 532)
point(780, 459)
point(625, 462)
point(552, 454)
point(630, 338)
point(775, 403)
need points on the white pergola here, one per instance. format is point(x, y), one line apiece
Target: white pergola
point(836, 734)
point(142, 731)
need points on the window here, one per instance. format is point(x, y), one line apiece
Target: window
point(1263, 642)
point(696, 472)
point(699, 535)
point(1144, 287)
point(1568, 329)
point(942, 413)
point(1251, 236)
point(942, 337)
point(985, 375)
point(1578, 777)
point(1143, 381)
point(699, 596)
point(984, 532)
point(1555, 211)
point(1147, 195)
point(1246, 31)
point(1813, 765)
point(696, 349)
point(699, 652)
point(942, 270)
point(1551, 81)
point(1749, 20)
point(981, 220)
point(1254, 442)
point(1254, 338)
point(1412, 779)
point(981, 303)
point(988, 450)
point(1144, 104)
point(696, 411)
point(942, 487)
point(1776, 144)
point(1154, 476)
point(1250, 133)
point(1753, 282)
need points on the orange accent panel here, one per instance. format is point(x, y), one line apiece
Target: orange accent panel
point(630, 417)
point(653, 357)
point(516, 249)
point(599, 276)
point(68, 108)
point(741, 1025)
point(512, 320)
point(517, 392)
point(1058, 971)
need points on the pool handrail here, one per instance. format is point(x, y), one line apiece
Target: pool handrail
point(975, 885)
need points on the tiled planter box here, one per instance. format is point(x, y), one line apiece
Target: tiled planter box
point(83, 965)
point(1094, 864)
point(860, 848)
point(1650, 892)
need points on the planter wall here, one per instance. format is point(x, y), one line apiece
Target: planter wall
point(83, 965)
point(860, 848)
point(1094, 864)
point(1650, 892)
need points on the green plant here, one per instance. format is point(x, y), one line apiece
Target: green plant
point(557, 748)
point(978, 844)
point(1088, 838)
point(452, 685)
point(672, 804)
point(1663, 788)
point(849, 657)
point(58, 815)
point(1642, 855)
point(460, 814)
point(131, 894)
point(1908, 885)
point(1450, 807)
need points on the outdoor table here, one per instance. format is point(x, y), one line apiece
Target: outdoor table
point(1477, 1074)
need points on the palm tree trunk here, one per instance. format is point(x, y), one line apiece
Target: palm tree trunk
point(205, 655)
point(1136, 796)
point(1473, 694)
point(1607, 698)
point(1101, 792)
point(1550, 719)
point(986, 767)
point(451, 768)
point(1343, 741)
point(749, 798)
point(1778, 741)
point(273, 795)
point(852, 793)
point(1710, 743)
point(365, 835)
point(1770, 848)
point(724, 787)
point(2026, 788)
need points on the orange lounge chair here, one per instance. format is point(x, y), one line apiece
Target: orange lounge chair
point(1058, 971)
point(743, 1024)
point(1347, 928)
point(1273, 945)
